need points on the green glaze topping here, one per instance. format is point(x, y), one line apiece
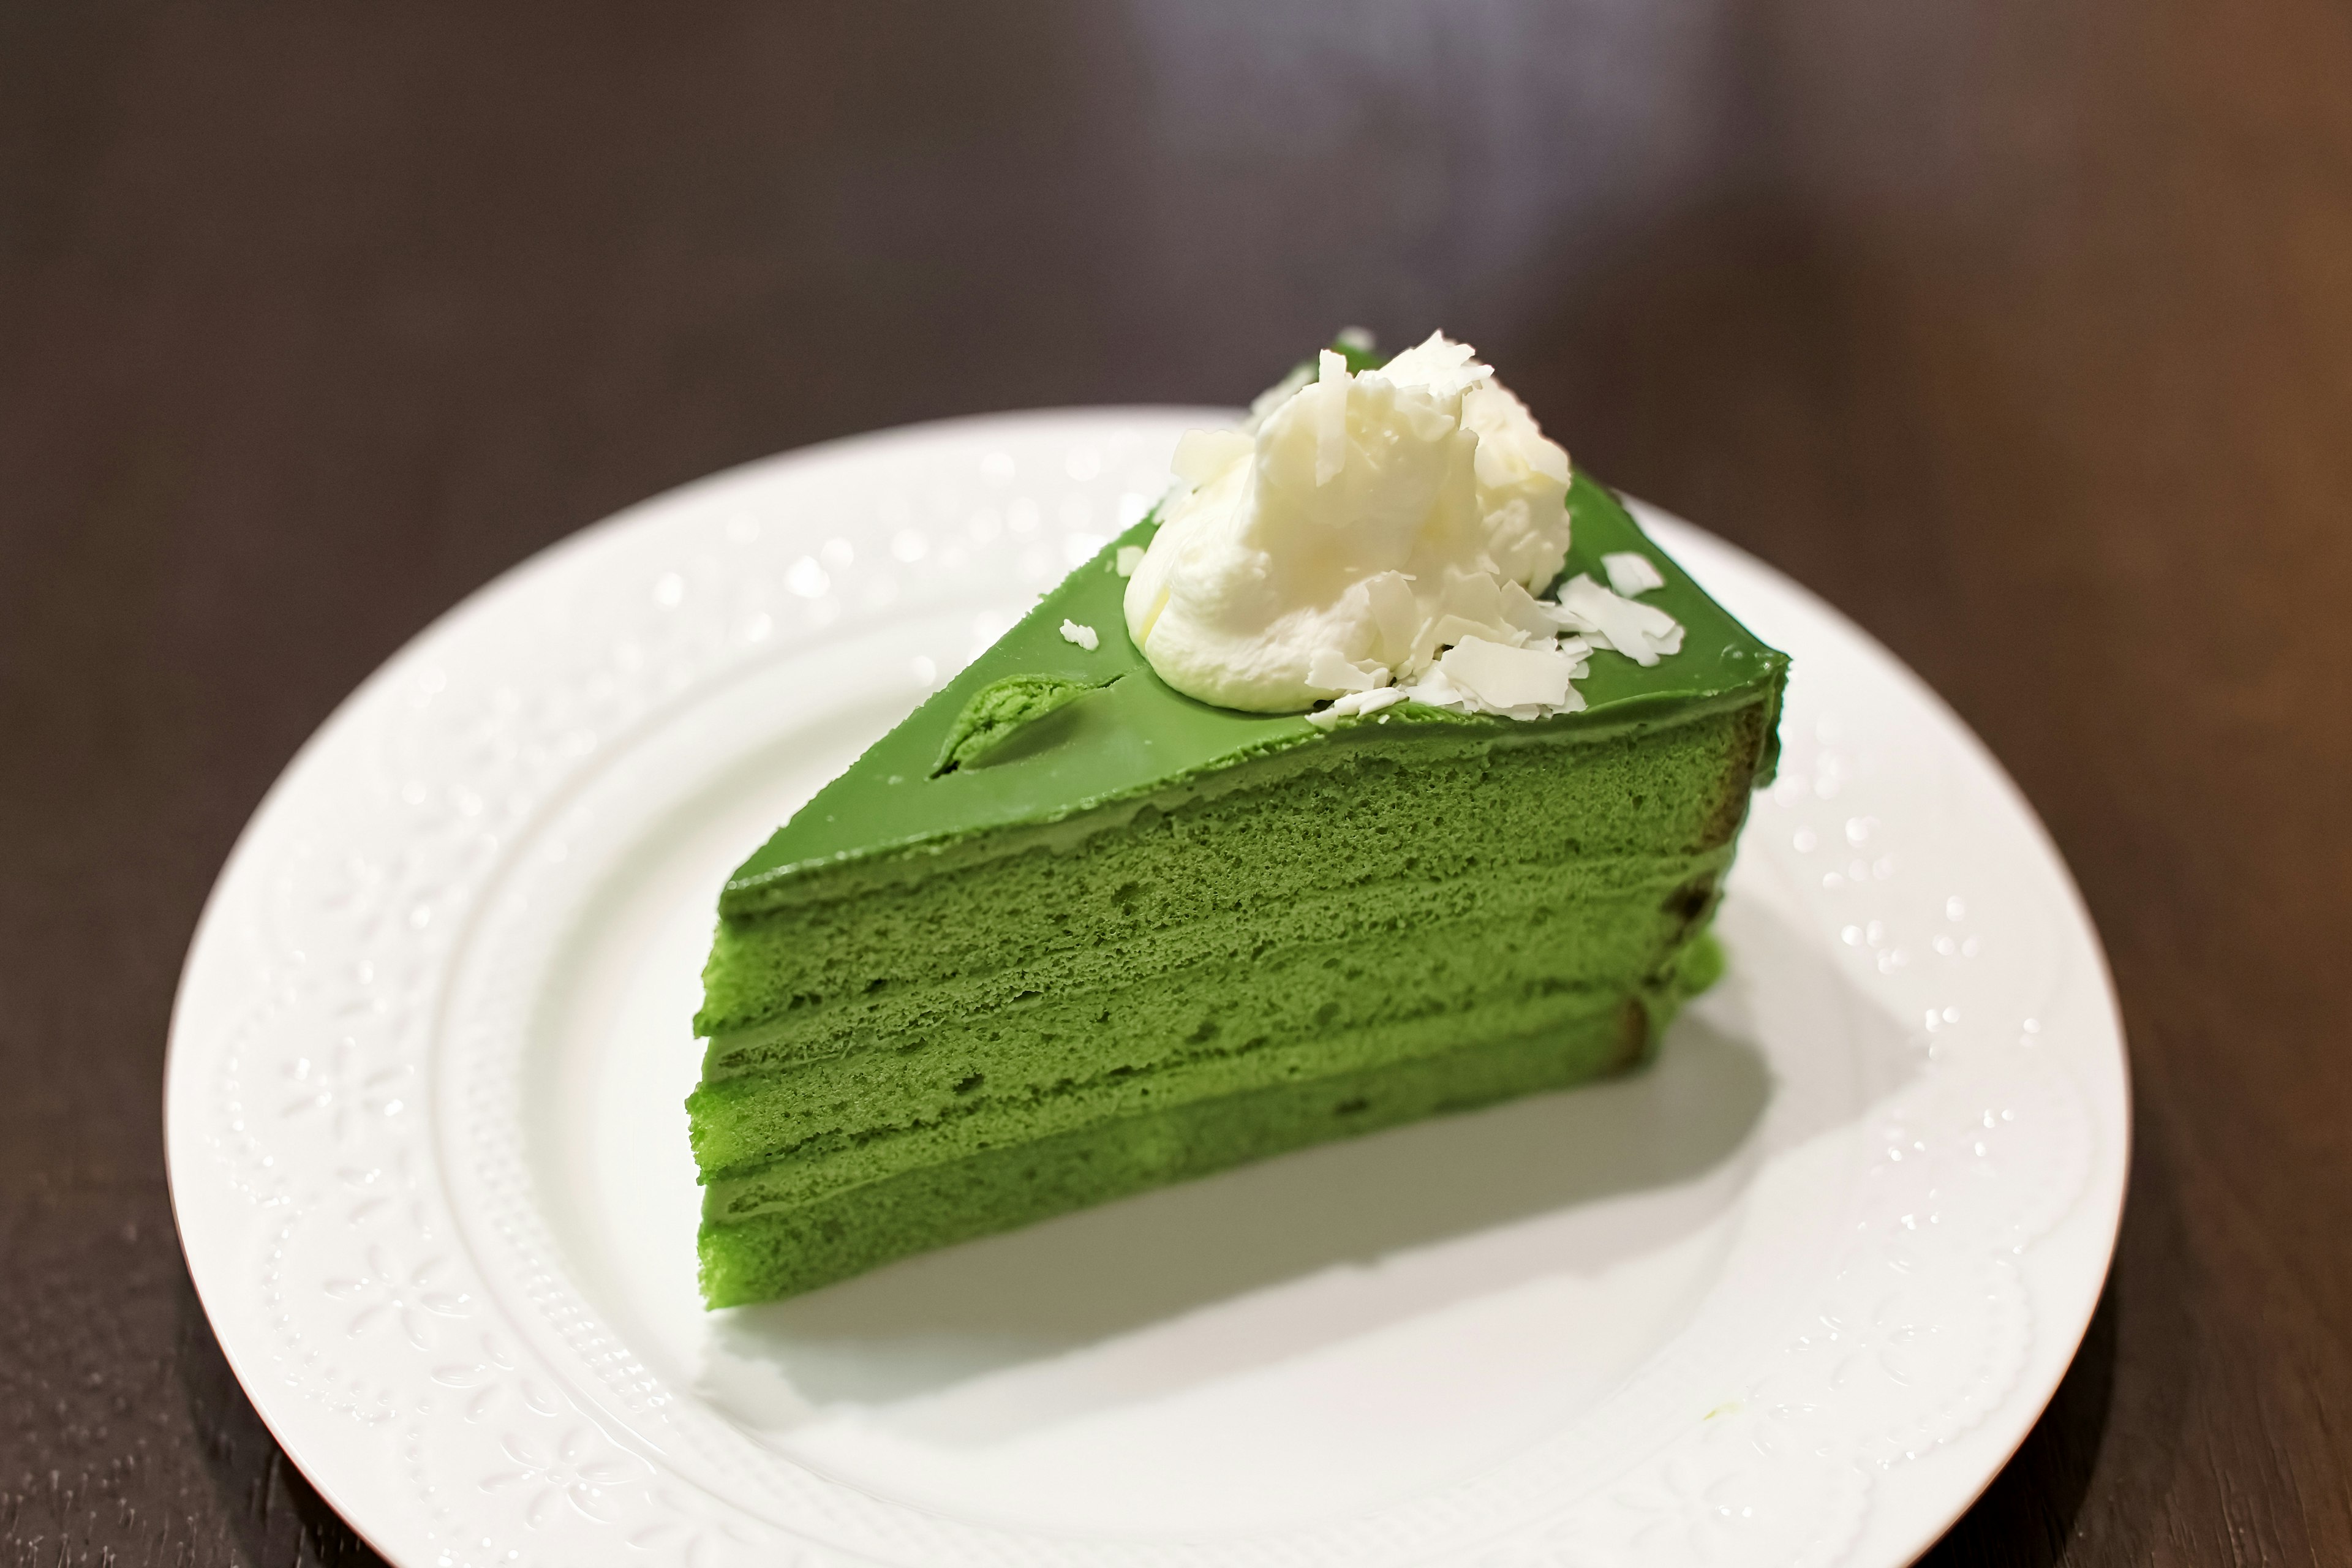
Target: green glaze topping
point(1038, 730)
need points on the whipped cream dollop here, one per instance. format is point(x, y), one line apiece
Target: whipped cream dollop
point(1368, 538)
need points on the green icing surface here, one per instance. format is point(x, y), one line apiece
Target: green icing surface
point(1064, 933)
point(1137, 738)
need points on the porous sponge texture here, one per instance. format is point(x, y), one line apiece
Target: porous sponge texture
point(1322, 945)
point(1445, 809)
point(781, 1250)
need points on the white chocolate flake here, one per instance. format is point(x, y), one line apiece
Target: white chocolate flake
point(1632, 574)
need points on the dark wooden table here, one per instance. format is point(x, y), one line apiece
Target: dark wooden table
point(2021, 332)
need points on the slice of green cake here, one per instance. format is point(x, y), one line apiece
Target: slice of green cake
point(1066, 933)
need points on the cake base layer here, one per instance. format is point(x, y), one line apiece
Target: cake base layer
point(781, 1252)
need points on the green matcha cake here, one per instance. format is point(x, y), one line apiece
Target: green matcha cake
point(1068, 933)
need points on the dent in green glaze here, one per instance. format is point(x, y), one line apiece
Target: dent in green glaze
point(1002, 722)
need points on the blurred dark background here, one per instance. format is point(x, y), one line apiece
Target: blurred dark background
point(2021, 332)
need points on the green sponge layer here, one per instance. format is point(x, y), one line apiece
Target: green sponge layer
point(1439, 806)
point(781, 1251)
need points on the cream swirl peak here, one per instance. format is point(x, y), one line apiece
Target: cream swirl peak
point(1365, 526)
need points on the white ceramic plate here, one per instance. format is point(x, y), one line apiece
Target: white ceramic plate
point(1791, 1297)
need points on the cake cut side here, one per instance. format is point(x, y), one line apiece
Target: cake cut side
point(1066, 934)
